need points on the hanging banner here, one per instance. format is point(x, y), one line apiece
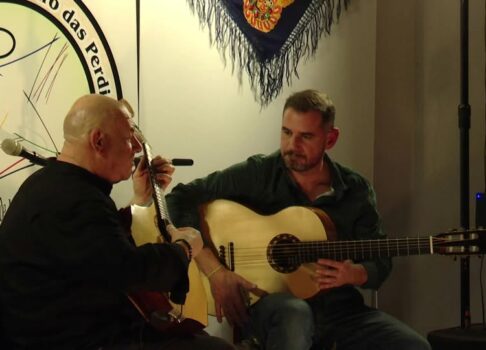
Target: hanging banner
point(267, 38)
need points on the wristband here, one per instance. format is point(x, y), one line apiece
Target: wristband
point(219, 267)
point(187, 245)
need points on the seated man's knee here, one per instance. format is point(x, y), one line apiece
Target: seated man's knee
point(421, 344)
point(281, 321)
point(291, 310)
point(416, 343)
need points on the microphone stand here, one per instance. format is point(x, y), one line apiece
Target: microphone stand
point(466, 337)
point(464, 112)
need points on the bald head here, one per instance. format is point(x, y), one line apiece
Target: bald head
point(90, 112)
point(99, 136)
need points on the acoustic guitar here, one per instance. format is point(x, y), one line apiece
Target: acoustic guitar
point(278, 252)
point(149, 225)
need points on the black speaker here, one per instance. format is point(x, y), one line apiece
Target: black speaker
point(473, 338)
point(481, 209)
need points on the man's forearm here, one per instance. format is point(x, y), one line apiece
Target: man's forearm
point(207, 261)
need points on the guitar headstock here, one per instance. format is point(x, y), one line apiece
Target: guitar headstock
point(461, 242)
point(158, 195)
point(139, 134)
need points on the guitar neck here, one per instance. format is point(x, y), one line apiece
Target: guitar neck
point(158, 196)
point(310, 251)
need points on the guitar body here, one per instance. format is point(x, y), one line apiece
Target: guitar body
point(156, 307)
point(243, 240)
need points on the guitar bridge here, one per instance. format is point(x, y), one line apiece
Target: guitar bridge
point(227, 260)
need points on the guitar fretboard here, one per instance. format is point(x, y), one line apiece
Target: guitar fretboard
point(362, 249)
point(158, 195)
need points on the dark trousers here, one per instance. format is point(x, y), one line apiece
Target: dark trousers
point(283, 322)
point(352, 325)
point(156, 341)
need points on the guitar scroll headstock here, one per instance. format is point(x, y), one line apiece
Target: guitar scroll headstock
point(461, 242)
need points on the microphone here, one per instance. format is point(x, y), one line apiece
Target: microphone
point(181, 161)
point(14, 148)
point(173, 161)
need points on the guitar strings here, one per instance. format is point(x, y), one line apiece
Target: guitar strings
point(301, 252)
point(367, 245)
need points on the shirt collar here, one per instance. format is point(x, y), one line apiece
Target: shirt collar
point(104, 185)
point(337, 182)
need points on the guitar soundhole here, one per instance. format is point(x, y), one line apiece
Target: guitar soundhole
point(283, 254)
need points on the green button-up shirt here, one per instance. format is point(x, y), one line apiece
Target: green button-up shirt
point(263, 183)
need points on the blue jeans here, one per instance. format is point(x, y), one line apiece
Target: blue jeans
point(281, 321)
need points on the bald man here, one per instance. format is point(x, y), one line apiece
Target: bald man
point(67, 261)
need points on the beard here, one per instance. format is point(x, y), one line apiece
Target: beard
point(299, 162)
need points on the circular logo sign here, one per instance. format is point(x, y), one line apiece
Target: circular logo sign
point(51, 53)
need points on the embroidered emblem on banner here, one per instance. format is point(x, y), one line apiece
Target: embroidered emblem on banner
point(267, 38)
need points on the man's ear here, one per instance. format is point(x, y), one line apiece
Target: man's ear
point(97, 140)
point(332, 137)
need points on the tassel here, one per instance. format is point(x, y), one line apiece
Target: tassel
point(266, 74)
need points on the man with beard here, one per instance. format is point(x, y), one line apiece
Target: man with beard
point(301, 174)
